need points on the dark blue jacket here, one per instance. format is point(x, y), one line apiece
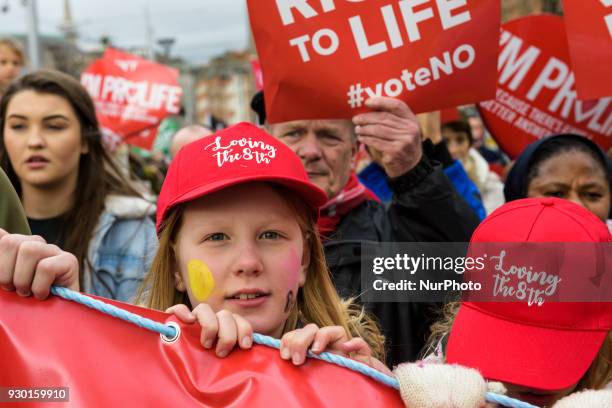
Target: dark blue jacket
point(373, 177)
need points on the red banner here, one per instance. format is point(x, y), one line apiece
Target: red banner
point(132, 95)
point(589, 36)
point(536, 94)
point(324, 58)
point(106, 362)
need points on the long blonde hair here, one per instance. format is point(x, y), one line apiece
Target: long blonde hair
point(317, 301)
point(597, 376)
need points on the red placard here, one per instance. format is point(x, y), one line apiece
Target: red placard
point(107, 362)
point(589, 35)
point(324, 58)
point(536, 94)
point(132, 95)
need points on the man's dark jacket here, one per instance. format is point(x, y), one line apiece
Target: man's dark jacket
point(425, 208)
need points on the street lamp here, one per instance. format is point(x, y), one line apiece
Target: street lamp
point(33, 40)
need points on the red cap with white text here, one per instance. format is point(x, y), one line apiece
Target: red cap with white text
point(547, 347)
point(238, 154)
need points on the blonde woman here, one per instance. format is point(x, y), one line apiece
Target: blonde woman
point(11, 63)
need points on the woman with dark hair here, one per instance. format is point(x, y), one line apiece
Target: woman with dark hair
point(73, 194)
point(566, 166)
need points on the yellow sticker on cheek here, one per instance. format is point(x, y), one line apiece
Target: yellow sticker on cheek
point(201, 280)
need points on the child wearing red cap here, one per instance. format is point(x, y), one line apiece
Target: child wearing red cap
point(539, 353)
point(239, 251)
point(236, 220)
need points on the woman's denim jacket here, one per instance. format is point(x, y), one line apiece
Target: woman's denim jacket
point(122, 248)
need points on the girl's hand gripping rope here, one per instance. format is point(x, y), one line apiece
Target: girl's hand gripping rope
point(295, 345)
point(29, 265)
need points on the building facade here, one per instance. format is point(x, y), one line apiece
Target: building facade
point(223, 89)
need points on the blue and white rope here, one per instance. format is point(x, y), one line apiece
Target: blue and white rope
point(114, 311)
point(335, 359)
point(507, 401)
point(170, 332)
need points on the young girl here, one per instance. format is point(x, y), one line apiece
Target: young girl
point(239, 252)
point(539, 353)
point(73, 195)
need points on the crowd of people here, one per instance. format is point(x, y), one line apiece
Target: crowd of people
point(273, 245)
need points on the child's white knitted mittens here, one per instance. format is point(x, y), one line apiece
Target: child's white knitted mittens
point(440, 386)
point(587, 399)
point(425, 385)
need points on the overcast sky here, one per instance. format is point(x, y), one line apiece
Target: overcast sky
point(202, 28)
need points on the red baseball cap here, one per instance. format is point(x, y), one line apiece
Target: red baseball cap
point(547, 347)
point(238, 154)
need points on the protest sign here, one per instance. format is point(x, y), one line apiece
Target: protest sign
point(589, 36)
point(536, 94)
point(132, 95)
point(102, 361)
point(324, 58)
